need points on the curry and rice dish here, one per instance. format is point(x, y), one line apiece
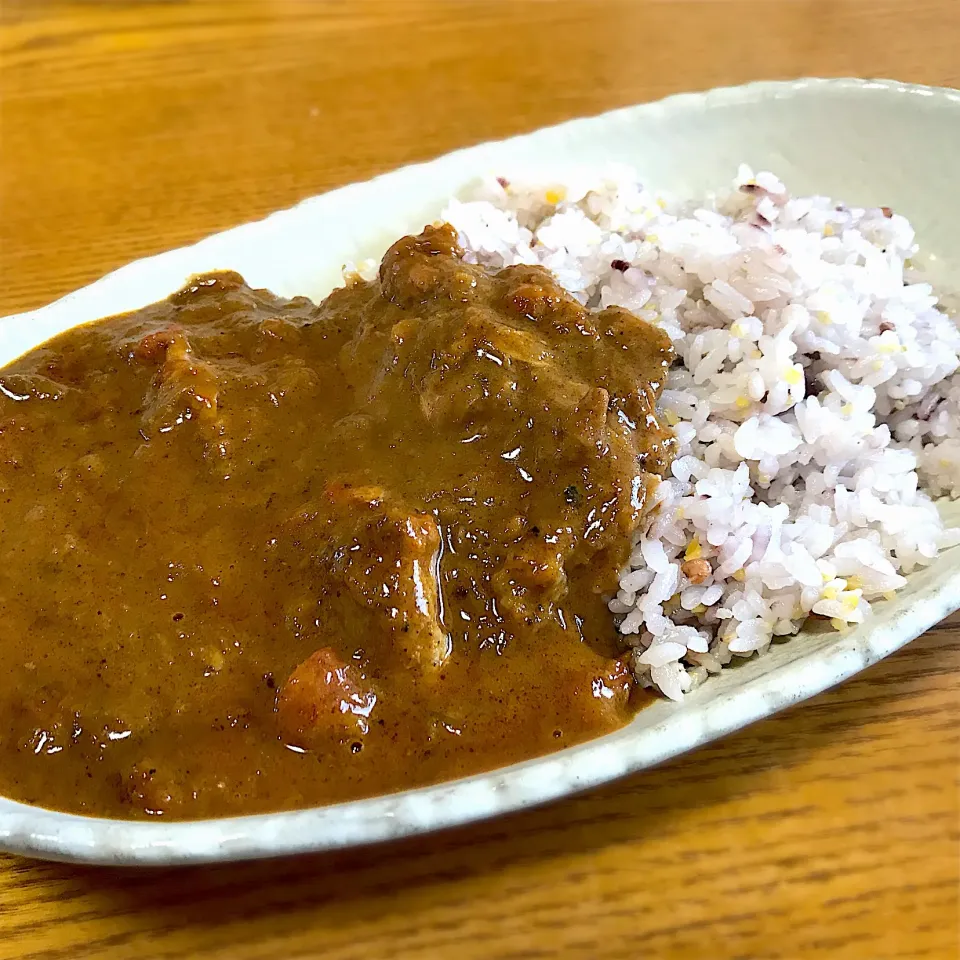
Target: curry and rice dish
point(261, 554)
point(578, 443)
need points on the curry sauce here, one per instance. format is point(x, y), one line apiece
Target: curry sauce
point(261, 554)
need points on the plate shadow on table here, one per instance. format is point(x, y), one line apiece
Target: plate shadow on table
point(690, 792)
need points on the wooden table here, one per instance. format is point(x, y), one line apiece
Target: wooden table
point(128, 128)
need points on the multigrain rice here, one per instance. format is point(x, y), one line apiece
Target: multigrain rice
point(816, 399)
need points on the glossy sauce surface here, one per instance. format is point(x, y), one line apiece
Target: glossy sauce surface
point(261, 554)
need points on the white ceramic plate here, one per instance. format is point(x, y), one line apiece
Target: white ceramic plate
point(869, 142)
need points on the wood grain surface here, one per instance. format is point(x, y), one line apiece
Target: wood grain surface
point(830, 831)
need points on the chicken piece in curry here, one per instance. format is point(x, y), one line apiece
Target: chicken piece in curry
point(260, 554)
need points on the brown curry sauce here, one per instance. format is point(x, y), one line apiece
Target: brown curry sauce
point(260, 554)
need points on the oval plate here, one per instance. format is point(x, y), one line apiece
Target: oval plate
point(869, 142)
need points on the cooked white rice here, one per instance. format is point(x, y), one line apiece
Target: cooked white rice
point(816, 401)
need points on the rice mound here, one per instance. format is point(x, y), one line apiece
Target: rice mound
point(815, 400)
